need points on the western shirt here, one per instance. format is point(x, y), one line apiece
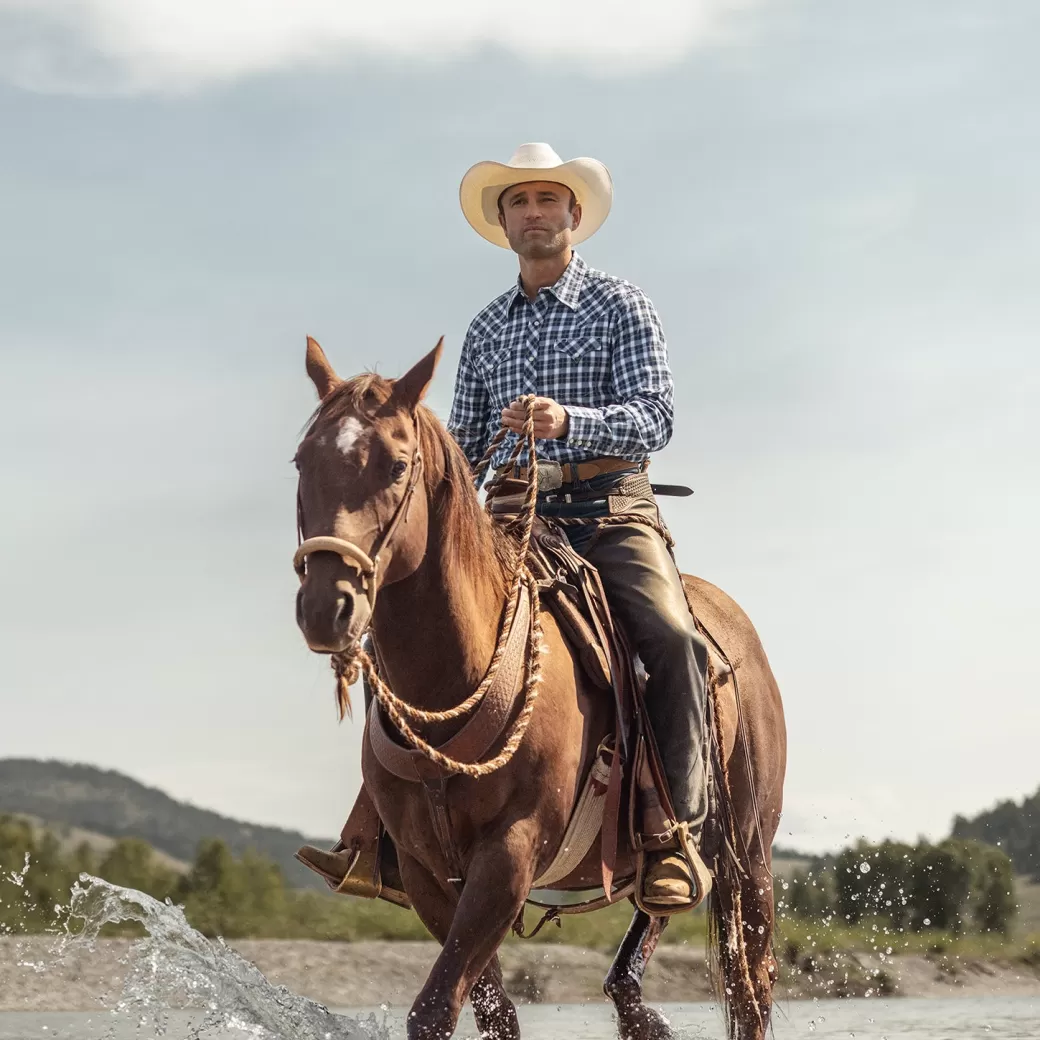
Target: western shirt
point(591, 342)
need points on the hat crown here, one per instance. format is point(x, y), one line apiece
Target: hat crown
point(536, 155)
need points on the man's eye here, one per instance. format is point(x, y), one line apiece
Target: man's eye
point(397, 470)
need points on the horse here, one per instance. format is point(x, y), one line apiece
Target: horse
point(400, 545)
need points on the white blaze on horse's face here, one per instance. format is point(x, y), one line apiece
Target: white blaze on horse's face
point(350, 435)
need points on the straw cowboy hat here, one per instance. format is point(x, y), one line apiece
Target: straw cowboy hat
point(589, 179)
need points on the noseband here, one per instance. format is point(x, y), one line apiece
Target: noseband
point(367, 563)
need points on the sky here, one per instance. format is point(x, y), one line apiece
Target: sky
point(832, 204)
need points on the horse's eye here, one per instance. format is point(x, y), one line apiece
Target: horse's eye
point(397, 470)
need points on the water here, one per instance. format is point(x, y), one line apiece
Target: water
point(175, 966)
point(182, 986)
point(990, 1018)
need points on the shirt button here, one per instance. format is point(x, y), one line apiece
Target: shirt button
point(536, 322)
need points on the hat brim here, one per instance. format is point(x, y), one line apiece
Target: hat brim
point(484, 183)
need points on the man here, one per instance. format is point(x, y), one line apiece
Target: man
point(590, 348)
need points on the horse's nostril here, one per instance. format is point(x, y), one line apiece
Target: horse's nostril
point(344, 608)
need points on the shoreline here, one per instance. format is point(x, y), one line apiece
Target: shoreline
point(370, 973)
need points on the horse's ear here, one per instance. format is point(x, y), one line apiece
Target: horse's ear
point(321, 372)
point(410, 389)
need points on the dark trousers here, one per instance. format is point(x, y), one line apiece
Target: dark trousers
point(645, 593)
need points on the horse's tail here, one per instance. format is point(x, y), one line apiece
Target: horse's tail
point(727, 957)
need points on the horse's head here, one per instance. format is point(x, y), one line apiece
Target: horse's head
point(362, 503)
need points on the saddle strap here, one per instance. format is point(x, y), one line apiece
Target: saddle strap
point(484, 727)
point(585, 823)
point(609, 836)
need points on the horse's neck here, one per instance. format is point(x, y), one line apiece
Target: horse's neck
point(436, 630)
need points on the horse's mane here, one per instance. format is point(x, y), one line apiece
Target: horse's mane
point(473, 543)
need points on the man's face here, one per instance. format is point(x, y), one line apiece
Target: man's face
point(538, 218)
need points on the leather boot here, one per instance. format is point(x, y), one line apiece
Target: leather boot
point(674, 881)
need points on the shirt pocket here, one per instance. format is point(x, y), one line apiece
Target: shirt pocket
point(580, 346)
point(590, 341)
point(496, 366)
point(489, 357)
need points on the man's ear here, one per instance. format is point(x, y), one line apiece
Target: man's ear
point(321, 372)
point(575, 216)
point(410, 389)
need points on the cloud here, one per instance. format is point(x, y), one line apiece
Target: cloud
point(178, 45)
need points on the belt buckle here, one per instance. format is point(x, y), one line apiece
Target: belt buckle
point(550, 475)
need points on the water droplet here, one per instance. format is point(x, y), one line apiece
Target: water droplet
point(864, 867)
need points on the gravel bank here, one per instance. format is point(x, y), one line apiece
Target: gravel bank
point(372, 973)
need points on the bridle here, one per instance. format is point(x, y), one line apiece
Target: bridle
point(367, 563)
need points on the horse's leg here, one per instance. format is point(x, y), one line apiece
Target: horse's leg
point(624, 981)
point(468, 964)
point(492, 1008)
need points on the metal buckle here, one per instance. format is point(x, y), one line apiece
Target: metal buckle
point(550, 475)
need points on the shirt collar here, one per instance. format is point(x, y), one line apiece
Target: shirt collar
point(567, 288)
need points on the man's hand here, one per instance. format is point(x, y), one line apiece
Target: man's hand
point(550, 419)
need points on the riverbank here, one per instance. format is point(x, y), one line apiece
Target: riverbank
point(32, 978)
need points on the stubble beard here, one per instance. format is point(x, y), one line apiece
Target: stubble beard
point(540, 249)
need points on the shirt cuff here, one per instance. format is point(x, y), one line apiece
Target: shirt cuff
point(586, 428)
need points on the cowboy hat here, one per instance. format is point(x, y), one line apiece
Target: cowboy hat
point(484, 183)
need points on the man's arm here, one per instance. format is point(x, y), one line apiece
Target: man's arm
point(641, 419)
point(471, 406)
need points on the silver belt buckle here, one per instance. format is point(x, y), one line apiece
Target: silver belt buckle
point(550, 475)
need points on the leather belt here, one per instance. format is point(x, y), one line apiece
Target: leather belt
point(574, 471)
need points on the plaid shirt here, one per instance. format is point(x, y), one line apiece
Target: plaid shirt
point(591, 342)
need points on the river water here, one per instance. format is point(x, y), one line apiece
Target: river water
point(990, 1018)
point(175, 968)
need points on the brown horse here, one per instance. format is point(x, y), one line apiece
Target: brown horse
point(378, 471)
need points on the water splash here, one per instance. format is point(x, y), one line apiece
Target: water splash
point(176, 967)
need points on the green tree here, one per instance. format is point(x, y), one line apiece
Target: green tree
point(233, 898)
point(992, 905)
point(132, 863)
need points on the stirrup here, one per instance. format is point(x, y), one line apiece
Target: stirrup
point(362, 877)
point(699, 873)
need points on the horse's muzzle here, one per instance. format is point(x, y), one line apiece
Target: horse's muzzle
point(331, 616)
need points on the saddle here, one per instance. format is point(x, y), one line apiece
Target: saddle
point(624, 798)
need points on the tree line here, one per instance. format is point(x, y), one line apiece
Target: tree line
point(955, 886)
point(1014, 828)
point(222, 894)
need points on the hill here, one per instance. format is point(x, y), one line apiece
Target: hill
point(1015, 828)
point(117, 806)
